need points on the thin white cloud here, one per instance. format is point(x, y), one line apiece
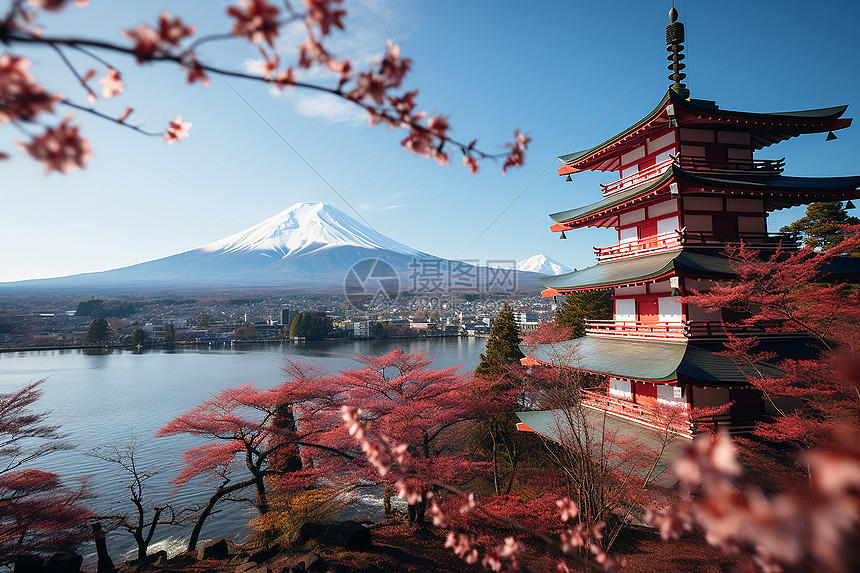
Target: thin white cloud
point(330, 108)
point(369, 24)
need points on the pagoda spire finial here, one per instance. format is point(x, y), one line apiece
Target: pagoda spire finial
point(675, 47)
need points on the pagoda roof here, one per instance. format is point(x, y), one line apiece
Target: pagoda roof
point(642, 269)
point(766, 128)
point(662, 362)
point(779, 191)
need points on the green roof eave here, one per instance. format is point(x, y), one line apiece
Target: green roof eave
point(615, 198)
point(646, 360)
point(624, 358)
point(744, 181)
point(643, 268)
point(705, 106)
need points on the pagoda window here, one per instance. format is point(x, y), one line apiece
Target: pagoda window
point(703, 204)
point(699, 314)
point(708, 396)
point(663, 208)
point(745, 205)
point(661, 143)
point(738, 155)
point(752, 225)
point(633, 156)
point(671, 395)
point(698, 223)
point(632, 217)
point(692, 151)
point(697, 135)
point(627, 234)
point(620, 388)
point(627, 171)
point(670, 309)
point(733, 137)
point(668, 224)
point(625, 310)
point(630, 290)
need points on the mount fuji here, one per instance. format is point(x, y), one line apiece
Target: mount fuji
point(308, 246)
point(543, 265)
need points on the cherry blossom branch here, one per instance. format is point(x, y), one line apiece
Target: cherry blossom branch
point(421, 139)
point(83, 81)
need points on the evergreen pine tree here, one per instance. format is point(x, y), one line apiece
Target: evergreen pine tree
point(98, 333)
point(503, 346)
point(821, 227)
point(577, 306)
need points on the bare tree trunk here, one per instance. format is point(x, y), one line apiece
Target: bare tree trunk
point(207, 511)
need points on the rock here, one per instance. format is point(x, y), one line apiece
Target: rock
point(28, 564)
point(63, 562)
point(246, 566)
point(215, 549)
point(265, 554)
point(347, 534)
point(313, 562)
point(186, 558)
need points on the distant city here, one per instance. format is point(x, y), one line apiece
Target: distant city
point(61, 321)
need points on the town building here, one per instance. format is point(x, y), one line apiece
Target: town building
point(690, 183)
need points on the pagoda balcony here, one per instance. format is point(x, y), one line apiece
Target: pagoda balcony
point(675, 419)
point(683, 330)
point(637, 329)
point(754, 166)
point(636, 178)
point(683, 238)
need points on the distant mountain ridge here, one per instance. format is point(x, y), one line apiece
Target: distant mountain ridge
point(308, 246)
point(544, 265)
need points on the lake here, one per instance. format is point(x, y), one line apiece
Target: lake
point(103, 398)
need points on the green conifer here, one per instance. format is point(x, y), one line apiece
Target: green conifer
point(503, 346)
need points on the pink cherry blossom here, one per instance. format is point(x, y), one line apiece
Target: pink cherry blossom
point(516, 157)
point(471, 163)
point(147, 42)
point(172, 30)
point(176, 130)
point(111, 84)
point(256, 20)
point(20, 96)
point(322, 13)
point(567, 508)
point(60, 148)
point(394, 68)
point(196, 73)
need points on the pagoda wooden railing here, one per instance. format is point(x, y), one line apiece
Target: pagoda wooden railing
point(636, 329)
point(675, 419)
point(683, 330)
point(757, 166)
point(644, 246)
point(757, 240)
point(636, 178)
point(679, 238)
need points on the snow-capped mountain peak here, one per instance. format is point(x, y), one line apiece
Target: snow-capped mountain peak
point(543, 264)
point(307, 226)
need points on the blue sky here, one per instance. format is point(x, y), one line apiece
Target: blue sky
point(550, 69)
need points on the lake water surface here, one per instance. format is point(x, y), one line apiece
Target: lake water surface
point(103, 398)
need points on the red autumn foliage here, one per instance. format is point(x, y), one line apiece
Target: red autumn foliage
point(38, 513)
point(791, 291)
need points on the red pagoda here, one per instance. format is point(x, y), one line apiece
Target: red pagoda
point(689, 184)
